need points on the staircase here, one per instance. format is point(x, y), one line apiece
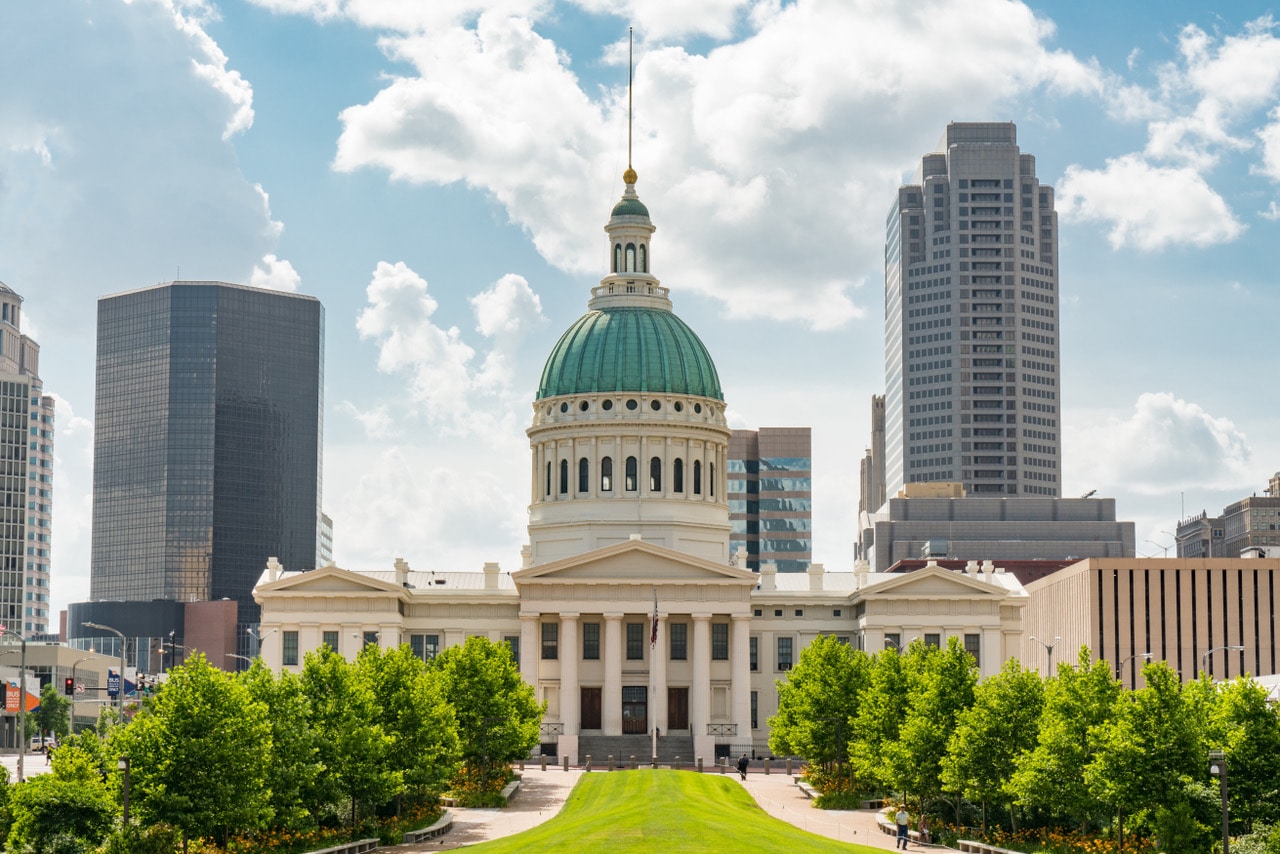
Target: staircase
point(623, 747)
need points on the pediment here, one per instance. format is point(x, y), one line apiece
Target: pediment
point(327, 580)
point(634, 562)
point(935, 582)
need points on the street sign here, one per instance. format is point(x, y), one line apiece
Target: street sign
point(113, 683)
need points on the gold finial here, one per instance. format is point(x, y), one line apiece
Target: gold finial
point(629, 176)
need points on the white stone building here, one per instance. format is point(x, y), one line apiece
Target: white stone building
point(629, 615)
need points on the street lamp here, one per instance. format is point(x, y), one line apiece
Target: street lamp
point(1048, 648)
point(1204, 656)
point(123, 764)
point(259, 637)
point(1164, 549)
point(119, 634)
point(243, 658)
point(74, 665)
point(22, 698)
point(1145, 656)
point(1218, 768)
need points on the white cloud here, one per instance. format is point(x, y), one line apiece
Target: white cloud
point(1270, 137)
point(1272, 212)
point(509, 309)
point(1163, 445)
point(378, 422)
point(657, 20)
point(275, 273)
point(1148, 207)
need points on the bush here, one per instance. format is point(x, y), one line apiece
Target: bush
point(44, 808)
point(156, 839)
point(838, 801)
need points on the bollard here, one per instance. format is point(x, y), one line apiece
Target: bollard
point(634, 766)
point(699, 764)
point(676, 764)
point(521, 764)
point(586, 766)
point(723, 762)
point(789, 766)
point(655, 760)
point(766, 766)
point(566, 763)
point(610, 761)
point(544, 762)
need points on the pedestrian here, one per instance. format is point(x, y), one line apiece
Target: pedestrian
point(923, 827)
point(742, 765)
point(903, 820)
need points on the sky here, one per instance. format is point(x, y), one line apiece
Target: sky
point(439, 173)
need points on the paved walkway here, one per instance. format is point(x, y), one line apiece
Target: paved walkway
point(543, 793)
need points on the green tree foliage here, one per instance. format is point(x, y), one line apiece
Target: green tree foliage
point(199, 753)
point(1248, 731)
point(990, 736)
point(352, 746)
point(47, 807)
point(295, 763)
point(498, 716)
point(411, 708)
point(818, 702)
point(1078, 702)
point(52, 717)
point(879, 716)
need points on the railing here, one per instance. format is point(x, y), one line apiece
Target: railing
point(722, 730)
point(552, 729)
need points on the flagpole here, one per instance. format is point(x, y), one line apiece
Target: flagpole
point(653, 684)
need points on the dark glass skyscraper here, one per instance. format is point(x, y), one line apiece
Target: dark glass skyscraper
point(207, 443)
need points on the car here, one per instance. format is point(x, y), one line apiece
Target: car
point(37, 746)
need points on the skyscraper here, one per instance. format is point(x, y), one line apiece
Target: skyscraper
point(771, 497)
point(971, 321)
point(26, 480)
point(207, 443)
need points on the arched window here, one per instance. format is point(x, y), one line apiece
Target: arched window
point(606, 474)
point(655, 474)
point(548, 477)
point(631, 257)
point(711, 476)
point(677, 476)
point(632, 476)
point(697, 477)
point(564, 477)
point(584, 478)
point(617, 257)
point(644, 260)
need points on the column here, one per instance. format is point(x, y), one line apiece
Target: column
point(700, 701)
point(570, 699)
point(740, 664)
point(658, 677)
point(611, 697)
point(530, 650)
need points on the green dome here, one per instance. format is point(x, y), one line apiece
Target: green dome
point(630, 207)
point(628, 349)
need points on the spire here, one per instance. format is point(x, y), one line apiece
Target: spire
point(629, 176)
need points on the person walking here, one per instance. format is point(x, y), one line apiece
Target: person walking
point(923, 827)
point(742, 765)
point(904, 821)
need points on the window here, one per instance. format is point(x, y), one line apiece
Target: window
point(679, 641)
point(644, 261)
point(513, 644)
point(677, 476)
point(370, 639)
point(606, 474)
point(635, 641)
point(893, 640)
point(550, 641)
point(777, 612)
point(564, 477)
point(973, 646)
point(755, 710)
point(289, 649)
point(631, 477)
point(933, 640)
point(655, 474)
point(799, 612)
point(432, 647)
point(631, 257)
point(784, 653)
point(330, 639)
point(755, 653)
point(591, 641)
point(719, 641)
point(584, 479)
point(711, 476)
point(835, 612)
point(697, 477)
point(617, 257)
point(548, 477)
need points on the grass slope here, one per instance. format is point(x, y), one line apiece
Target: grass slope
point(659, 810)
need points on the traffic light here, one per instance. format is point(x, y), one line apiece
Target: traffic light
point(69, 686)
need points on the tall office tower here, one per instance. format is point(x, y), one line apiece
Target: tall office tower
point(1245, 526)
point(26, 480)
point(207, 443)
point(971, 326)
point(771, 497)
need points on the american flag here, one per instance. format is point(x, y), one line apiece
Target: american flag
point(653, 633)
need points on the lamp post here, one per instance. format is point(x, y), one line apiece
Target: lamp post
point(72, 723)
point(119, 634)
point(259, 637)
point(1145, 656)
point(1164, 549)
point(243, 658)
point(1048, 648)
point(123, 765)
point(22, 698)
point(1218, 768)
point(1204, 656)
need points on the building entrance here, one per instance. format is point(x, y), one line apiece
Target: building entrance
point(635, 710)
point(677, 708)
point(590, 717)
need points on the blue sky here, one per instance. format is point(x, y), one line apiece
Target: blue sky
point(439, 173)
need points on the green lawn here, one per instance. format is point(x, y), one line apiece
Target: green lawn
point(658, 810)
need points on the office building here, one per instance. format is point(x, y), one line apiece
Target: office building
point(1251, 523)
point(972, 390)
point(771, 497)
point(207, 445)
point(26, 481)
point(871, 496)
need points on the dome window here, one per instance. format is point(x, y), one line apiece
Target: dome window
point(582, 407)
point(564, 407)
point(697, 408)
point(655, 405)
point(711, 476)
point(631, 257)
point(548, 478)
point(564, 477)
point(697, 477)
point(677, 476)
point(584, 475)
point(617, 257)
point(607, 405)
point(679, 406)
point(632, 475)
point(606, 474)
point(632, 404)
point(644, 259)
point(655, 474)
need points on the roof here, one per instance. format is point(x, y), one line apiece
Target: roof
point(1026, 571)
point(630, 349)
point(629, 206)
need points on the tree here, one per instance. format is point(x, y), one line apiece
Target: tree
point(352, 746)
point(46, 807)
point(1078, 701)
point(818, 701)
point(52, 715)
point(294, 763)
point(199, 753)
point(1001, 725)
point(1250, 740)
point(498, 718)
point(880, 713)
point(411, 709)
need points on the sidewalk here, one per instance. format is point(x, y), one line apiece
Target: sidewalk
point(778, 795)
point(32, 764)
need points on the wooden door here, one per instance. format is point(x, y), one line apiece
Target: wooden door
point(635, 710)
point(590, 708)
point(677, 708)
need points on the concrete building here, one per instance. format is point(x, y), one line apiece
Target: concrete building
point(26, 481)
point(207, 445)
point(628, 613)
point(918, 523)
point(771, 497)
point(871, 495)
point(1214, 614)
point(1250, 523)
point(971, 321)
